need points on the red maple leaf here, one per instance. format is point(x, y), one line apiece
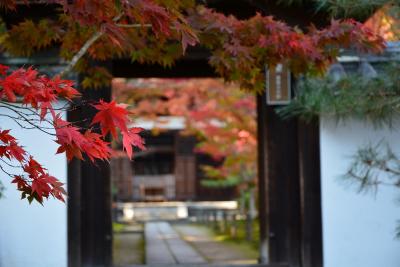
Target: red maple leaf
point(57, 189)
point(110, 117)
point(5, 137)
point(69, 138)
point(132, 138)
point(63, 88)
point(95, 147)
point(20, 181)
point(33, 168)
point(41, 187)
point(3, 69)
point(15, 151)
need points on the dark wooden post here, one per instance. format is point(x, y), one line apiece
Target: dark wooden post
point(262, 184)
point(74, 212)
point(96, 228)
point(74, 220)
point(279, 187)
point(89, 202)
point(309, 155)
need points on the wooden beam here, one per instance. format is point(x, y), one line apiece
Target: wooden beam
point(184, 68)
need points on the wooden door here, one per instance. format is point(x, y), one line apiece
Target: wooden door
point(185, 167)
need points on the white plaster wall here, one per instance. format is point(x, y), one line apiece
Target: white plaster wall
point(33, 235)
point(358, 229)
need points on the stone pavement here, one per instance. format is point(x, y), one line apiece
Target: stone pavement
point(214, 250)
point(128, 245)
point(164, 246)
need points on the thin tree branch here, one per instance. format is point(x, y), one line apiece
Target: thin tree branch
point(25, 119)
point(9, 164)
point(134, 25)
point(32, 111)
point(84, 49)
point(81, 52)
point(6, 172)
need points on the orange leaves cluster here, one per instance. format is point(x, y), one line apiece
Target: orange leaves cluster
point(120, 21)
point(37, 94)
point(220, 115)
point(242, 48)
point(106, 13)
point(151, 31)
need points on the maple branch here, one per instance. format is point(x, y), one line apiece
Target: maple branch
point(6, 172)
point(138, 25)
point(134, 25)
point(65, 107)
point(16, 106)
point(33, 112)
point(9, 164)
point(23, 118)
point(16, 120)
point(81, 52)
point(93, 39)
point(84, 49)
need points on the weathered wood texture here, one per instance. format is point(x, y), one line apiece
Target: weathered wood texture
point(73, 212)
point(309, 156)
point(89, 205)
point(185, 167)
point(121, 174)
point(289, 189)
point(96, 229)
point(262, 184)
point(283, 189)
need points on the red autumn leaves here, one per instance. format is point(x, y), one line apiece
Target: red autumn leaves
point(112, 116)
point(38, 94)
point(242, 48)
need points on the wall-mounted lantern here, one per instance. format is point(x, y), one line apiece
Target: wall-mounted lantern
point(278, 87)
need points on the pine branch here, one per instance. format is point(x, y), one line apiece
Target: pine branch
point(352, 8)
point(375, 100)
point(373, 167)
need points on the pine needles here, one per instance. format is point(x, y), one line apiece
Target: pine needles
point(376, 100)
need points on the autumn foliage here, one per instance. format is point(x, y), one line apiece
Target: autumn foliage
point(146, 31)
point(220, 115)
point(150, 31)
point(242, 48)
point(29, 100)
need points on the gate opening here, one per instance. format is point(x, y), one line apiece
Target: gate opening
point(190, 196)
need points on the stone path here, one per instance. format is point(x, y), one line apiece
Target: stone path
point(216, 251)
point(128, 246)
point(164, 246)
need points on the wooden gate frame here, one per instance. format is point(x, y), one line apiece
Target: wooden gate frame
point(289, 183)
point(289, 169)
